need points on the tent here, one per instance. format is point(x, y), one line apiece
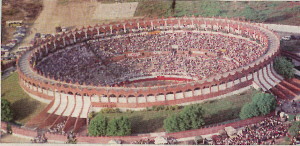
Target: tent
point(230, 131)
point(160, 140)
point(198, 139)
point(114, 142)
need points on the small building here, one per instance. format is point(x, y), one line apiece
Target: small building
point(14, 23)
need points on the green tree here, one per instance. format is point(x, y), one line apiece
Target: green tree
point(171, 124)
point(6, 112)
point(119, 127)
point(294, 129)
point(192, 116)
point(284, 67)
point(249, 110)
point(98, 126)
point(265, 102)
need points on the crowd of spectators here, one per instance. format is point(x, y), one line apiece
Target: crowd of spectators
point(87, 62)
point(58, 128)
point(264, 132)
point(40, 138)
point(144, 141)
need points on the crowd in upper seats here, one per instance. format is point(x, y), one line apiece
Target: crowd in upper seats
point(87, 62)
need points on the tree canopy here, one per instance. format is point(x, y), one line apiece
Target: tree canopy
point(119, 127)
point(262, 104)
point(6, 112)
point(191, 117)
point(284, 67)
point(101, 126)
point(98, 126)
point(249, 110)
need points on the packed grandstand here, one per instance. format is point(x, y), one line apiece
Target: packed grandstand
point(196, 55)
point(87, 70)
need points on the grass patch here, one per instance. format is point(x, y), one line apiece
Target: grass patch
point(216, 111)
point(271, 12)
point(24, 107)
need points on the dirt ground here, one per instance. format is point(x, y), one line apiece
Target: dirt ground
point(5, 138)
point(68, 14)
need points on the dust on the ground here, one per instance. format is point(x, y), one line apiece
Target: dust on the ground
point(74, 14)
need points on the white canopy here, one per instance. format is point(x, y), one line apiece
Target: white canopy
point(160, 140)
point(230, 131)
point(114, 142)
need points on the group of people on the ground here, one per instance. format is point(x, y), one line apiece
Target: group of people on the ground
point(264, 132)
point(40, 138)
point(58, 128)
point(88, 62)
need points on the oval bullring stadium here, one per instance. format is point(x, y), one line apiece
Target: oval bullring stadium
point(175, 80)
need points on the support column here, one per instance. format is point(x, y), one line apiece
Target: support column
point(46, 50)
point(64, 40)
point(54, 44)
point(124, 27)
point(98, 32)
point(85, 34)
point(74, 38)
point(152, 25)
point(46, 47)
point(111, 30)
point(138, 25)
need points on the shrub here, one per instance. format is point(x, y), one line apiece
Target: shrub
point(119, 127)
point(190, 118)
point(98, 126)
point(6, 112)
point(249, 110)
point(262, 104)
point(294, 129)
point(110, 110)
point(284, 67)
point(265, 102)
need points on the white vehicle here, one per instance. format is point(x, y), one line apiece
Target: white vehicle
point(286, 38)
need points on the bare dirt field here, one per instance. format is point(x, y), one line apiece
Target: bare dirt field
point(73, 14)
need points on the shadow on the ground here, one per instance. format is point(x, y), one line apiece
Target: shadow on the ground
point(226, 115)
point(23, 108)
point(145, 126)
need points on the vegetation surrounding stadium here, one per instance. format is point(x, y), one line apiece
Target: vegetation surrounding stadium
point(262, 104)
point(284, 67)
point(269, 12)
point(101, 126)
point(23, 106)
point(215, 111)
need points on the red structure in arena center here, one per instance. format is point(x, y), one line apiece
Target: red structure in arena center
point(71, 101)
